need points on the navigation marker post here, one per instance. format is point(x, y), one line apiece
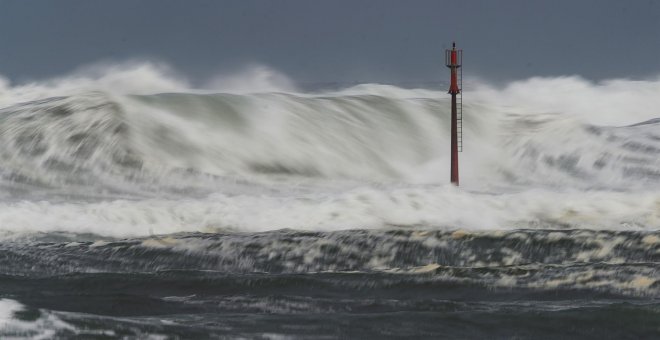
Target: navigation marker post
point(453, 60)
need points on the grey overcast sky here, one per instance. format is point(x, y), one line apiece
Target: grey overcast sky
point(340, 40)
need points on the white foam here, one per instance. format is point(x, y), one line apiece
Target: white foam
point(530, 160)
point(44, 327)
point(441, 207)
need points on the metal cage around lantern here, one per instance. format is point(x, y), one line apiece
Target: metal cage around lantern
point(454, 63)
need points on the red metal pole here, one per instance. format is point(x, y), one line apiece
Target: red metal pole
point(454, 141)
point(453, 64)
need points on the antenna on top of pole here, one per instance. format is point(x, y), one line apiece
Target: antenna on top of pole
point(454, 60)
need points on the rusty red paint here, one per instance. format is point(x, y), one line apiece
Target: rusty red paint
point(452, 61)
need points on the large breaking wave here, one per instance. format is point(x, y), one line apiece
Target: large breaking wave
point(132, 151)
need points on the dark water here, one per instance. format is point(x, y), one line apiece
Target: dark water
point(346, 284)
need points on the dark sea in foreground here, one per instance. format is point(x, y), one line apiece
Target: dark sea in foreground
point(291, 284)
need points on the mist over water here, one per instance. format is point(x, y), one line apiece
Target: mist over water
point(132, 150)
point(209, 207)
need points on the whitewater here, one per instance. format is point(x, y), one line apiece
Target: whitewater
point(194, 194)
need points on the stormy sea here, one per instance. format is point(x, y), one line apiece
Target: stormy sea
point(136, 205)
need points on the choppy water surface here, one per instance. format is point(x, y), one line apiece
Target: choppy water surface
point(170, 213)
